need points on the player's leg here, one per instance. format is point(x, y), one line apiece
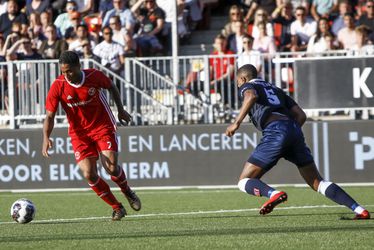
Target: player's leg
point(250, 183)
point(86, 156)
point(100, 187)
point(109, 160)
point(331, 190)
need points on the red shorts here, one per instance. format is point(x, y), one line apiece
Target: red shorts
point(90, 145)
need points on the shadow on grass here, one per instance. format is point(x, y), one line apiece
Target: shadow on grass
point(187, 233)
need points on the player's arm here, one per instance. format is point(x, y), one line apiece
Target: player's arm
point(249, 98)
point(49, 123)
point(298, 114)
point(123, 116)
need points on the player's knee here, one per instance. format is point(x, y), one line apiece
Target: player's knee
point(323, 185)
point(91, 176)
point(242, 183)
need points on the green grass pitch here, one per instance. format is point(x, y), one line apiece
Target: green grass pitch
point(188, 219)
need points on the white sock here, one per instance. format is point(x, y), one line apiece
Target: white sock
point(359, 210)
point(274, 193)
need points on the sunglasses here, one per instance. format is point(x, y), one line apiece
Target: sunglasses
point(370, 6)
point(108, 33)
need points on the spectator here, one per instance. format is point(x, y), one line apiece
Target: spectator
point(3, 6)
point(37, 6)
point(85, 7)
point(363, 45)
point(52, 47)
point(302, 3)
point(235, 41)
point(284, 17)
point(323, 8)
point(194, 13)
point(235, 14)
point(2, 48)
point(222, 71)
point(125, 14)
point(338, 23)
point(267, 5)
point(82, 35)
point(71, 32)
point(301, 30)
point(151, 20)
point(183, 30)
point(347, 35)
point(87, 52)
point(34, 30)
point(249, 56)
point(317, 43)
point(264, 43)
point(121, 36)
point(261, 16)
point(104, 7)
point(368, 18)
point(13, 36)
point(63, 21)
point(110, 53)
point(25, 51)
point(10, 16)
point(45, 20)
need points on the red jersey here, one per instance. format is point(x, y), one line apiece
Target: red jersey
point(85, 104)
point(221, 64)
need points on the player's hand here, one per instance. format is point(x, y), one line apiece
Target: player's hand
point(230, 131)
point(124, 117)
point(47, 144)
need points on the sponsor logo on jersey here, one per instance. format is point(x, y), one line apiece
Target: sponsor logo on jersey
point(256, 192)
point(77, 155)
point(91, 91)
point(69, 97)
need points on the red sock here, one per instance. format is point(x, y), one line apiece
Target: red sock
point(102, 189)
point(121, 180)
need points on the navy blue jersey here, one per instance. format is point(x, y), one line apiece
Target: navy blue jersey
point(270, 99)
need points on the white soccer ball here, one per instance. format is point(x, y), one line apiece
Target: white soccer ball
point(23, 211)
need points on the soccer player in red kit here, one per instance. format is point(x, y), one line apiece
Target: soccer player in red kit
point(92, 127)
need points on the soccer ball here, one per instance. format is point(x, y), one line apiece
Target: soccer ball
point(23, 211)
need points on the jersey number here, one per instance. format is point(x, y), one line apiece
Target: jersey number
point(272, 97)
point(109, 144)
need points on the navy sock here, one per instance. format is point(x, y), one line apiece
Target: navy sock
point(337, 194)
point(258, 188)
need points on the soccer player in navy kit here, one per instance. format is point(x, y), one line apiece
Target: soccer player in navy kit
point(280, 119)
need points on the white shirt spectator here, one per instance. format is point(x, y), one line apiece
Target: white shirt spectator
point(109, 54)
point(76, 45)
point(303, 32)
point(317, 47)
point(250, 57)
point(269, 31)
point(347, 37)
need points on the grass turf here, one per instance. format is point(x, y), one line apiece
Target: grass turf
point(188, 219)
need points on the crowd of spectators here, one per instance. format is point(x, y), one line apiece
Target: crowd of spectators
point(313, 26)
point(105, 30)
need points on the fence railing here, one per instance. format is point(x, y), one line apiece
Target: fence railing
point(24, 86)
point(204, 93)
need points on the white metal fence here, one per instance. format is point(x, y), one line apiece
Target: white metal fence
point(24, 86)
point(148, 89)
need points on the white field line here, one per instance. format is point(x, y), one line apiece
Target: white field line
point(162, 188)
point(183, 213)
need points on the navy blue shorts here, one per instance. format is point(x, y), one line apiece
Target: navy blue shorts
point(282, 138)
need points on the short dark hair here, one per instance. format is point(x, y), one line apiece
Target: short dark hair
point(69, 57)
point(248, 71)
